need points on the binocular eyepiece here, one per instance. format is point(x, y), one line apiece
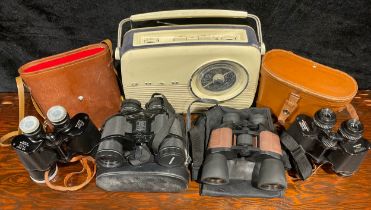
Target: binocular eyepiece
point(351, 130)
point(325, 118)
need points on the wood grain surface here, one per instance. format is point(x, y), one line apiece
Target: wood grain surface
point(322, 191)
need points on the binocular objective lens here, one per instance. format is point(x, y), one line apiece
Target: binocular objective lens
point(110, 154)
point(271, 175)
point(215, 181)
point(215, 170)
point(29, 124)
point(272, 187)
point(38, 176)
point(171, 152)
point(108, 161)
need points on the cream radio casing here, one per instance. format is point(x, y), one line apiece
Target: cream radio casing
point(186, 62)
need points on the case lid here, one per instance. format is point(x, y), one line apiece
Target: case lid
point(308, 76)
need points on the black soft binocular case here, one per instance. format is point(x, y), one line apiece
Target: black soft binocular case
point(236, 153)
point(143, 150)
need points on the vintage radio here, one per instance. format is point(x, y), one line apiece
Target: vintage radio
point(190, 61)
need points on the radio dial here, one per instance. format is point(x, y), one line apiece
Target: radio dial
point(220, 80)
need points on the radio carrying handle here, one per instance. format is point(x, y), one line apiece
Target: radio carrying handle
point(196, 13)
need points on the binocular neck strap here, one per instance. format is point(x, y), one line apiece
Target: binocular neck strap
point(199, 100)
point(85, 168)
point(166, 128)
point(300, 161)
point(197, 146)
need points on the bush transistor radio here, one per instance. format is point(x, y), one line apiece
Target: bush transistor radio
point(190, 61)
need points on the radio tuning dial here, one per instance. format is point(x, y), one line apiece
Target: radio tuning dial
point(220, 80)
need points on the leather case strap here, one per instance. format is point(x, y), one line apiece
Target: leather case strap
point(109, 44)
point(90, 173)
point(300, 161)
point(21, 111)
point(21, 105)
point(288, 107)
point(352, 111)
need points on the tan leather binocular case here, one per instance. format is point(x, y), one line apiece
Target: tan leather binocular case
point(292, 85)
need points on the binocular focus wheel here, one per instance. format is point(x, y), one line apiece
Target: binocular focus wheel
point(272, 175)
point(215, 170)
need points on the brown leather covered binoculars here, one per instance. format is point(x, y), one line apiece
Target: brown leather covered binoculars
point(241, 151)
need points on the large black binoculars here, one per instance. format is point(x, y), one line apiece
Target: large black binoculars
point(137, 136)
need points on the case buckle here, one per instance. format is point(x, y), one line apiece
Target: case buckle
point(288, 107)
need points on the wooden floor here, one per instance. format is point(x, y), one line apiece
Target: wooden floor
point(322, 191)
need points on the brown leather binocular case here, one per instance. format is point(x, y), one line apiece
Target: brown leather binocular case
point(81, 80)
point(291, 85)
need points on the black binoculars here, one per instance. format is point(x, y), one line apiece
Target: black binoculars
point(40, 151)
point(244, 150)
point(344, 149)
point(136, 136)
